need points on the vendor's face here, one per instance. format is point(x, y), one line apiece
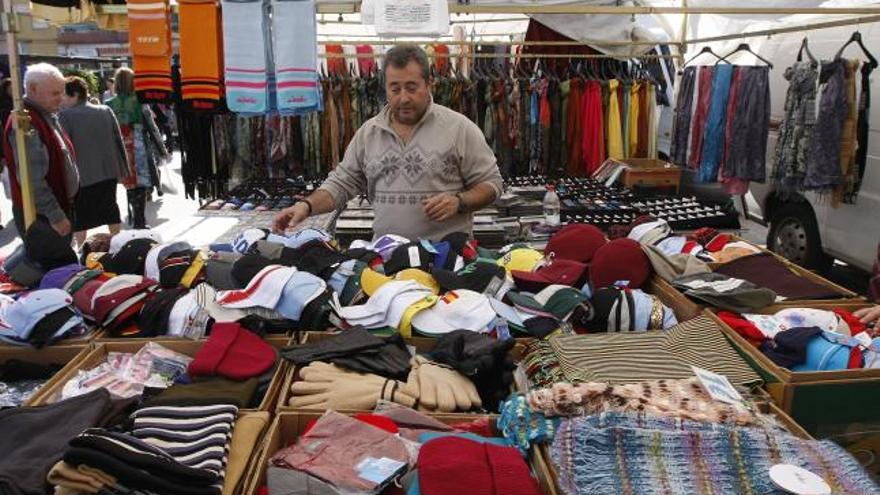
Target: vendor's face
point(409, 94)
point(47, 93)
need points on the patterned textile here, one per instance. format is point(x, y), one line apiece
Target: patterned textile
point(637, 357)
point(629, 454)
point(523, 426)
point(685, 399)
point(796, 128)
point(541, 364)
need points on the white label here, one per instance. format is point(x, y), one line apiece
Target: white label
point(718, 386)
point(414, 258)
point(798, 480)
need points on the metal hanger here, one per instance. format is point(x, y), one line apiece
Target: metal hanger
point(805, 48)
point(857, 38)
point(744, 47)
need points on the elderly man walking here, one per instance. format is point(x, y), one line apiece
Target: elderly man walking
point(100, 159)
point(53, 173)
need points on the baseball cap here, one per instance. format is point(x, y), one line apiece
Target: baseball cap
point(46, 248)
point(58, 277)
point(82, 298)
point(188, 319)
point(56, 325)
point(264, 289)
point(301, 289)
point(372, 280)
point(124, 237)
point(77, 280)
point(461, 244)
point(297, 239)
point(246, 240)
point(131, 257)
point(374, 313)
point(196, 271)
point(158, 253)
point(405, 325)
point(523, 259)
point(557, 271)
point(384, 245)
point(409, 255)
point(576, 242)
point(206, 296)
point(218, 270)
point(621, 260)
point(479, 276)
point(172, 268)
point(557, 301)
point(316, 257)
point(245, 268)
point(18, 317)
point(456, 310)
point(153, 318)
point(352, 287)
point(340, 276)
point(117, 295)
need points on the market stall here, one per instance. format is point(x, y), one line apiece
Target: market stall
point(600, 329)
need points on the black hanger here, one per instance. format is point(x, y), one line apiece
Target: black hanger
point(857, 38)
point(706, 49)
point(805, 48)
point(744, 47)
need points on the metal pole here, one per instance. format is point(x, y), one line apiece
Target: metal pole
point(21, 120)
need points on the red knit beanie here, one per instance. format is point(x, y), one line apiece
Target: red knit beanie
point(576, 242)
point(620, 260)
point(234, 352)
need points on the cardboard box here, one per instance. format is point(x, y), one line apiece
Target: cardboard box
point(421, 344)
point(289, 425)
point(98, 355)
point(68, 356)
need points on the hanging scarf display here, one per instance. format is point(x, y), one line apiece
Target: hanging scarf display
point(296, 56)
point(150, 43)
point(201, 54)
point(247, 56)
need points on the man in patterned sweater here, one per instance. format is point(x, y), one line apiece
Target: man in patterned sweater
point(425, 168)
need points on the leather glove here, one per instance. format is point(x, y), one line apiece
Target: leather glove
point(440, 388)
point(327, 386)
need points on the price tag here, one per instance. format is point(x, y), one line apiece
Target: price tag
point(718, 386)
point(380, 470)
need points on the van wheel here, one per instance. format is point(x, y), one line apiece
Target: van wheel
point(794, 234)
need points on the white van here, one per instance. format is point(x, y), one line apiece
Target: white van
point(806, 229)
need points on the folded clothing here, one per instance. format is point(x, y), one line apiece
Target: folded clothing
point(207, 392)
point(765, 270)
point(336, 445)
point(725, 292)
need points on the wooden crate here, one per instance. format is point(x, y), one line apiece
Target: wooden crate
point(290, 424)
point(421, 344)
point(68, 356)
point(98, 355)
point(814, 398)
point(650, 172)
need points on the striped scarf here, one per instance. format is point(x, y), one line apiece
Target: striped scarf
point(628, 454)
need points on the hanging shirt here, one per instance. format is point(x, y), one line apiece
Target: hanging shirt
point(614, 136)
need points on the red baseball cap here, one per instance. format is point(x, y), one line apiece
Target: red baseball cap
point(558, 271)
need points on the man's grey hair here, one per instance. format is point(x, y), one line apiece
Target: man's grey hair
point(37, 73)
point(400, 56)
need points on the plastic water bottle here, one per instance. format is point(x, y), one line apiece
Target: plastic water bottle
point(551, 206)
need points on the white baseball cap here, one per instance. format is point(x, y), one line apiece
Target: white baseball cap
point(206, 296)
point(187, 318)
point(301, 289)
point(377, 311)
point(123, 238)
point(456, 310)
point(158, 253)
point(263, 290)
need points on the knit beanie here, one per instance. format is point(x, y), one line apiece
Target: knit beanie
point(620, 260)
point(233, 352)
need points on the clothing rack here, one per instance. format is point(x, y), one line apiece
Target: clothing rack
point(497, 43)
point(513, 55)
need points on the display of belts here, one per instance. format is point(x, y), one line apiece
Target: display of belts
point(396, 247)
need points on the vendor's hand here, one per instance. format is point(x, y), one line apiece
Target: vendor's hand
point(62, 227)
point(441, 207)
point(290, 217)
point(868, 315)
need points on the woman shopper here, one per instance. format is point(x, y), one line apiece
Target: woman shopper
point(143, 145)
point(100, 159)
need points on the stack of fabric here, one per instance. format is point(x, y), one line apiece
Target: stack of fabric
point(39, 318)
point(167, 450)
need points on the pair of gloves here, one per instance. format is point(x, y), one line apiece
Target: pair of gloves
point(429, 386)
